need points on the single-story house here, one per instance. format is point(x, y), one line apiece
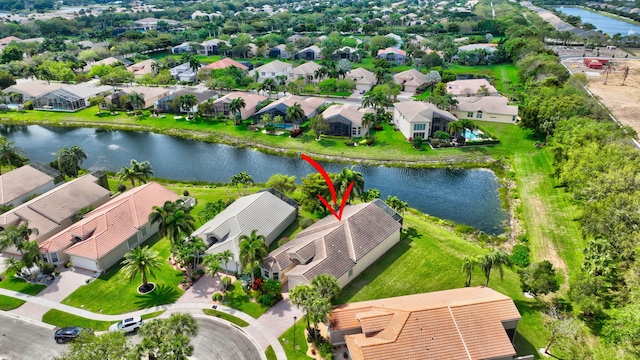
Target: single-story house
point(265, 212)
point(341, 248)
point(152, 23)
point(365, 79)
point(279, 51)
point(346, 52)
point(468, 323)
point(29, 90)
point(182, 48)
point(108, 61)
point(486, 108)
point(309, 105)
point(58, 208)
point(70, 97)
point(211, 47)
point(183, 72)
point(151, 96)
point(294, 37)
point(141, 68)
point(393, 55)
point(105, 234)
point(470, 87)
point(271, 70)
point(489, 48)
point(309, 53)
point(420, 119)
point(225, 63)
point(251, 101)
point(411, 80)
point(346, 120)
point(201, 94)
point(27, 181)
point(397, 38)
point(305, 71)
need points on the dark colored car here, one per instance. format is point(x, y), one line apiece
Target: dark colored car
point(69, 333)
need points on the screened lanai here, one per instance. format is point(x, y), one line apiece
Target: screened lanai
point(59, 100)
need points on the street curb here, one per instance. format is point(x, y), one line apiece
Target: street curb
point(26, 319)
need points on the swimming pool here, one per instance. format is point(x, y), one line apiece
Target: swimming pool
point(472, 135)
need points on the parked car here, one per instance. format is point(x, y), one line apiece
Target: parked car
point(69, 333)
point(127, 325)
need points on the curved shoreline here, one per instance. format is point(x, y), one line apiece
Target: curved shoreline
point(466, 161)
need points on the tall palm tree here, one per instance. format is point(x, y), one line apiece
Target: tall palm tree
point(268, 85)
point(302, 297)
point(156, 67)
point(194, 64)
point(174, 221)
point(326, 286)
point(70, 159)
point(8, 151)
point(225, 257)
point(187, 102)
point(253, 250)
point(319, 310)
point(16, 235)
point(608, 67)
point(295, 114)
point(496, 258)
point(367, 120)
point(468, 263)
point(212, 264)
point(136, 100)
point(368, 100)
point(346, 177)
point(455, 127)
point(241, 178)
point(141, 260)
point(235, 109)
point(139, 171)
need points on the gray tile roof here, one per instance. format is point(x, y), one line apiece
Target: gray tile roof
point(18, 182)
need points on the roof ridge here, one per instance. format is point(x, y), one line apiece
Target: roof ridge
point(453, 318)
point(347, 230)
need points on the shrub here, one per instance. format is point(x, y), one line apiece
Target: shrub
point(122, 188)
point(305, 222)
point(217, 296)
point(257, 284)
point(371, 140)
point(254, 294)
point(349, 142)
point(270, 128)
point(226, 282)
point(326, 350)
point(295, 133)
point(520, 255)
point(67, 265)
point(417, 143)
point(47, 268)
point(185, 193)
point(266, 300)
point(28, 105)
point(377, 127)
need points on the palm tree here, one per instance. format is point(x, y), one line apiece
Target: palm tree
point(16, 236)
point(302, 297)
point(319, 310)
point(253, 249)
point(235, 109)
point(138, 171)
point(396, 204)
point(136, 100)
point(194, 64)
point(368, 100)
point(174, 221)
point(346, 177)
point(268, 85)
point(8, 151)
point(212, 264)
point(326, 286)
point(608, 68)
point(187, 102)
point(496, 258)
point(367, 120)
point(295, 114)
point(167, 338)
point(141, 260)
point(468, 263)
point(241, 178)
point(70, 159)
point(225, 257)
point(156, 67)
point(455, 127)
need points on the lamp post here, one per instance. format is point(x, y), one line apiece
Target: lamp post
point(294, 331)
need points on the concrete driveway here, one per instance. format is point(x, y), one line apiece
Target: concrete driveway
point(203, 289)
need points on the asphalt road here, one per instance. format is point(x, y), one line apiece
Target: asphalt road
point(22, 340)
point(219, 340)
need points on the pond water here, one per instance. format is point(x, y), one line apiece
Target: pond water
point(603, 23)
point(465, 196)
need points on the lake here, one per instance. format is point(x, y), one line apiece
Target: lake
point(603, 23)
point(464, 196)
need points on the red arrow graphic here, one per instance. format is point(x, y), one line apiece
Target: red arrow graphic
point(332, 189)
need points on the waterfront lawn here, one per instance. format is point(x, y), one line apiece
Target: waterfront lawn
point(12, 283)
point(113, 293)
point(225, 316)
point(9, 303)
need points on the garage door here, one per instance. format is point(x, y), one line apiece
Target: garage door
point(84, 263)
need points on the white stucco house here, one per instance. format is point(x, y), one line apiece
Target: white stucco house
point(420, 119)
point(486, 108)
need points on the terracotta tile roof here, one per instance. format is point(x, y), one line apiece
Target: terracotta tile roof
point(225, 63)
point(392, 50)
point(452, 324)
point(18, 182)
point(108, 226)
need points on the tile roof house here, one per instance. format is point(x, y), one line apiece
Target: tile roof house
point(141, 68)
point(309, 105)
point(26, 181)
point(108, 61)
point(151, 96)
point(471, 323)
point(31, 89)
point(56, 209)
point(211, 47)
point(152, 23)
point(221, 105)
point(411, 80)
point(305, 71)
point(342, 248)
point(265, 212)
point(393, 55)
point(346, 52)
point(182, 48)
point(71, 97)
point(201, 94)
point(225, 63)
point(486, 108)
point(279, 51)
point(489, 48)
point(271, 70)
point(309, 53)
point(183, 72)
point(346, 120)
point(420, 119)
point(364, 78)
point(105, 234)
point(470, 87)
point(8, 40)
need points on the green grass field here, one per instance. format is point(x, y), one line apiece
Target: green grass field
point(113, 293)
point(505, 75)
point(227, 317)
point(8, 303)
point(12, 283)
point(236, 298)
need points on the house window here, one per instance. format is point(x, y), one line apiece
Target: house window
point(265, 274)
point(419, 126)
point(54, 257)
point(144, 230)
point(350, 272)
point(354, 131)
point(276, 276)
point(418, 135)
point(513, 119)
point(470, 114)
point(132, 241)
point(263, 74)
point(436, 128)
point(479, 115)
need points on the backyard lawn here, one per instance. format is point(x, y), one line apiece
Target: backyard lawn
point(113, 293)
